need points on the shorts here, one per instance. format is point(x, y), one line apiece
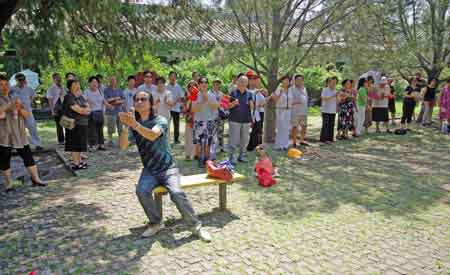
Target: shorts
point(204, 132)
point(299, 120)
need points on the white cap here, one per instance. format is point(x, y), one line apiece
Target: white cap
point(383, 80)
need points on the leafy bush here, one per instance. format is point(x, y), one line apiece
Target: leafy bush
point(84, 66)
point(315, 79)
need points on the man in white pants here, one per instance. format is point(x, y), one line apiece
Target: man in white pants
point(241, 109)
point(26, 95)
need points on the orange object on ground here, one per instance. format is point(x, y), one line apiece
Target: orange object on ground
point(294, 153)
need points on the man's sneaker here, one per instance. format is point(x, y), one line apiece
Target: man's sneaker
point(232, 160)
point(153, 229)
point(202, 234)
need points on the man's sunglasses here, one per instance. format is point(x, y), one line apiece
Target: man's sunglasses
point(148, 76)
point(203, 82)
point(141, 99)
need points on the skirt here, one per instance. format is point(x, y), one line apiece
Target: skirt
point(76, 139)
point(380, 114)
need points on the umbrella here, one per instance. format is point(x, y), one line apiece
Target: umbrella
point(31, 77)
point(375, 74)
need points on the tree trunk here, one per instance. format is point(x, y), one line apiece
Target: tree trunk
point(434, 72)
point(270, 115)
point(7, 9)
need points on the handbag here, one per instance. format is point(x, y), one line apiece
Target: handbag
point(67, 122)
point(223, 170)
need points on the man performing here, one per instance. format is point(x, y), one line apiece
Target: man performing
point(150, 133)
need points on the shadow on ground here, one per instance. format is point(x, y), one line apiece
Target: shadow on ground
point(393, 175)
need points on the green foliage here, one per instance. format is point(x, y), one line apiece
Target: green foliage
point(315, 79)
point(205, 67)
point(399, 87)
point(85, 66)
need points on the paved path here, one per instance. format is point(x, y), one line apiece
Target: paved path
point(379, 210)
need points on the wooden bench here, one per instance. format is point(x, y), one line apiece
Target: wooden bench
point(199, 180)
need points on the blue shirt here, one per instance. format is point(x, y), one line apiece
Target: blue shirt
point(155, 155)
point(110, 93)
point(25, 94)
point(242, 112)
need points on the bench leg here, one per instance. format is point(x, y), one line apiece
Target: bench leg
point(158, 200)
point(223, 196)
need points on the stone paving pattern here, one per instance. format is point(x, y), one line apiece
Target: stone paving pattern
point(378, 208)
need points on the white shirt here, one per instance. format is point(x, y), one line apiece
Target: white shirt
point(329, 106)
point(55, 92)
point(95, 99)
point(259, 100)
point(177, 93)
point(25, 94)
point(148, 88)
point(129, 97)
point(218, 97)
point(285, 99)
point(162, 108)
point(383, 102)
point(300, 101)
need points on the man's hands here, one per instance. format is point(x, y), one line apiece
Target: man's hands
point(128, 119)
point(18, 103)
point(234, 103)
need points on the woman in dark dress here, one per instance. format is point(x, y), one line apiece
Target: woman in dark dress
point(391, 104)
point(346, 109)
point(429, 101)
point(409, 102)
point(76, 107)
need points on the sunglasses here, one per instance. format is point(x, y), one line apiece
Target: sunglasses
point(148, 76)
point(203, 82)
point(141, 99)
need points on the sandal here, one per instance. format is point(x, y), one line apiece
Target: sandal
point(80, 166)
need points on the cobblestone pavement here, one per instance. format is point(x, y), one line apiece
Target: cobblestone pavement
point(375, 206)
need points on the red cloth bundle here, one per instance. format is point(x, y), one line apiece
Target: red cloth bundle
point(218, 171)
point(264, 172)
point(265, 179)
point(194, 94)
point(264, 163)
point(225, 102)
